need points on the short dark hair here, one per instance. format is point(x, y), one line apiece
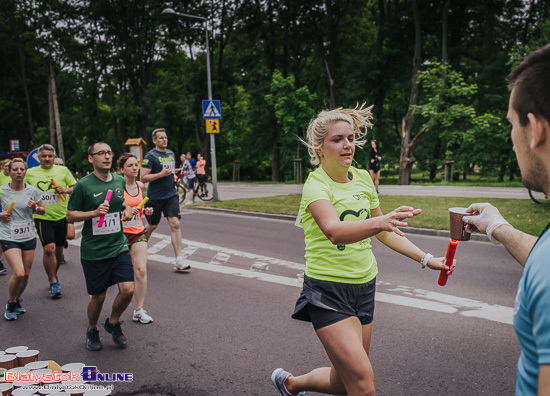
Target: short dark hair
point(92, 147)
point(123, 158)
point(530, 83)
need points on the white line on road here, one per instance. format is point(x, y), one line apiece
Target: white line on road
point(261, 260)
point(400, 295)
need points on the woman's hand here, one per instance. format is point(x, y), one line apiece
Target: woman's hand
point(438, 264)
point(391, 221)
point(32, 205)
point(5, 217)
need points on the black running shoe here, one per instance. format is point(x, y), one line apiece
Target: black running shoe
point(92, 340)
point(3, 269)
point(118, 336)
point(19, 309)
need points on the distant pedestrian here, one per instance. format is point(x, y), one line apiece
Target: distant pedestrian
point(200, 168)
point(192, 162)
point(51, 226)
point(104, 251)
point(187, 170)
point(17, 234)
point(340, 211)
point(374, 164)
point(158, 169)
point(529, 116)
point(135, 232)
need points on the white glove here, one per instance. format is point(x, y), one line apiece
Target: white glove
point(486, 219)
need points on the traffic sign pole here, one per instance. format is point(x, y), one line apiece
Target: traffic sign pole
point(212, 136)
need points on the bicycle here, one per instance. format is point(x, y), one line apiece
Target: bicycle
point(203, 190)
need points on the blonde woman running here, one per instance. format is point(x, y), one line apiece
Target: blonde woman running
point(135, 232)
point(340, 211)
point(17, 234)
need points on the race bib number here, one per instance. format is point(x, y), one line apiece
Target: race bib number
point(22, 230)
point(171, 165)
point(49, 198)
point(134, 222)
point(111, 224)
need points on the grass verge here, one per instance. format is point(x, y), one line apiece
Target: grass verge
point(523, 214)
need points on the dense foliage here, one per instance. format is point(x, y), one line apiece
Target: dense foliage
point(121, 70)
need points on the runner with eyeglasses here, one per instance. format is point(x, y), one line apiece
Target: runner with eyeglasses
point(104, 251)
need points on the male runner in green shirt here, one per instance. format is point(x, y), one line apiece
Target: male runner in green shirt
point(51, 226)
point(104, 250)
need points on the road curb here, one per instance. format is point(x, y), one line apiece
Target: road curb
point(406, 230)
point(245, 213)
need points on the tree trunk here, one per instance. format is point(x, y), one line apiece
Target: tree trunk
point(60, 150)
point(50, 108)
point(407, 159)
point(24, 79)
point(444, 32)
point(275, 152)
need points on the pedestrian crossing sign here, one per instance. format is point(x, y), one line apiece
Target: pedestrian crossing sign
point(211, 110)
point(212, 126)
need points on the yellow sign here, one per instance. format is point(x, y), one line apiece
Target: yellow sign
point(212, 126)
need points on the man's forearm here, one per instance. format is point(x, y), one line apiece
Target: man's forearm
point(518, 243)
point(74, 216)
point(149, 177)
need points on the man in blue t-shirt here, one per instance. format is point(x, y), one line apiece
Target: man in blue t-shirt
point(158, 169)
point(529, 116)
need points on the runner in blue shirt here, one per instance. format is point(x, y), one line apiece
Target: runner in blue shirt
point(529, 116)
point(158, 169)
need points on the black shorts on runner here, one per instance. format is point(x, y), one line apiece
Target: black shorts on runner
point(170, 207)
point(100, 274)
point(51, 231)
point(324, 303)
point(27, 245)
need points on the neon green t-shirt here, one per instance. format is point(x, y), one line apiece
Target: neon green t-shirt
point(41, 178)
point(352, 263)
point(4, 178)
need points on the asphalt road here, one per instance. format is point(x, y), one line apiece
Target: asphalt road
point(221, 328)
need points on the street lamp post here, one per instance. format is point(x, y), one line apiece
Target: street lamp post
point(169, 12)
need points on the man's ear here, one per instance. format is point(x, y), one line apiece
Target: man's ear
point(540, 129)
point(90, 159)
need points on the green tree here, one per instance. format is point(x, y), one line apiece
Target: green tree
point(294, 110)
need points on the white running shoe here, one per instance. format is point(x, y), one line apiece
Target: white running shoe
point(140, 315)
point(278, 379)
point(180, 264)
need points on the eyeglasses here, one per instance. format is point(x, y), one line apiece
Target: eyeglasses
point(103, 153)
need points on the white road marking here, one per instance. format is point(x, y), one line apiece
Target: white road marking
point(261, 260)
point(393, 294)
